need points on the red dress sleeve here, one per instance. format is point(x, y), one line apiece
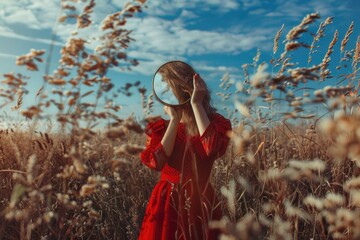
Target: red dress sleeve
point(215, 140)
point(154, 155)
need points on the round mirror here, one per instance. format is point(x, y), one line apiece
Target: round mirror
point(172, 83)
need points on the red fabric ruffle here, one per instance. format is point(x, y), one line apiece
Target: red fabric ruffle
point(215, 140)
point(154, 155)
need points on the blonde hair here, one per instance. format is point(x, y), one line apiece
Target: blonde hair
point(179, 75)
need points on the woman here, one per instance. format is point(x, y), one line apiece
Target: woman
point(184, 149)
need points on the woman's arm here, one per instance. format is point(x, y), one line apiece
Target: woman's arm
point(201, 118)
point(169, 137)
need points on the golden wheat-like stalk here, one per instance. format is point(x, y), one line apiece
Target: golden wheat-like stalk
point(356, 57)
point(276, 39)
point(325, 62)
point(319, 34)
point(347, 37)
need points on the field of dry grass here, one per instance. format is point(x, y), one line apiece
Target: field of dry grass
point(286, 175)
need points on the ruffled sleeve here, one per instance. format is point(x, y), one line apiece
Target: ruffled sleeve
point(154, 155)
point(215, 140)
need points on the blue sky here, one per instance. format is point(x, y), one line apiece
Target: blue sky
point(214, 36)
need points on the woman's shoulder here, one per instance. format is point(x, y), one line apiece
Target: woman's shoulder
point(218, 117)
point(155, 125)
point(219, 122)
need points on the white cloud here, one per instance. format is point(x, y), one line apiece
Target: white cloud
point(36, 14)
point(221, 5)
point(185, 14)
point(258, 11)
point(327, 9)
point(290, 10)
point(6, 55)
point(246, 4)
point(168, 7)
point(9, 33)
point(150, 61)
point(201, 66)
point(5, 31)
point(23, 15)
point(296, 9)
point(159, 40)
point(161, 36)
point(44, 15)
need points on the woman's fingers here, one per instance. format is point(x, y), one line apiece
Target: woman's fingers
point(194, 81)
point(197, 81)
point(166, 109)
point(173, 113)
point(199, 89)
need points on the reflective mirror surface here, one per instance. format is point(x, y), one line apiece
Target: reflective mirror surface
point(163, 91)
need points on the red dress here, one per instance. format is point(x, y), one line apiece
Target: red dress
point(183, 201)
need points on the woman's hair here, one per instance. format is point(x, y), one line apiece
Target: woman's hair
point(179, 76)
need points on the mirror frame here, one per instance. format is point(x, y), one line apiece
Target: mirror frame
point(158, 98)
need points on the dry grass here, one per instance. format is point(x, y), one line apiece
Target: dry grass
point(287, 174)
point(48, 192)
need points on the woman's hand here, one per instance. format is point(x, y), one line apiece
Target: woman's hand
point(175, 114)
point(199, 90)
